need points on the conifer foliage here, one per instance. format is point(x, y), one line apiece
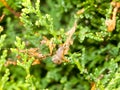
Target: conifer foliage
point(59, 45)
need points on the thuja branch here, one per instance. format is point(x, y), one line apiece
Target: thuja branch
point(59, 57)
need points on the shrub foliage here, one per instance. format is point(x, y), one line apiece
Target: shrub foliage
point(59, 45)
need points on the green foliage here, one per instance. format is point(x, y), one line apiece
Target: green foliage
point(94, 55)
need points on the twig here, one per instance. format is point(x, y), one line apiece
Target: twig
point(58, 58)
point(111, 23)
point(17, 14)
point(1, 18)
